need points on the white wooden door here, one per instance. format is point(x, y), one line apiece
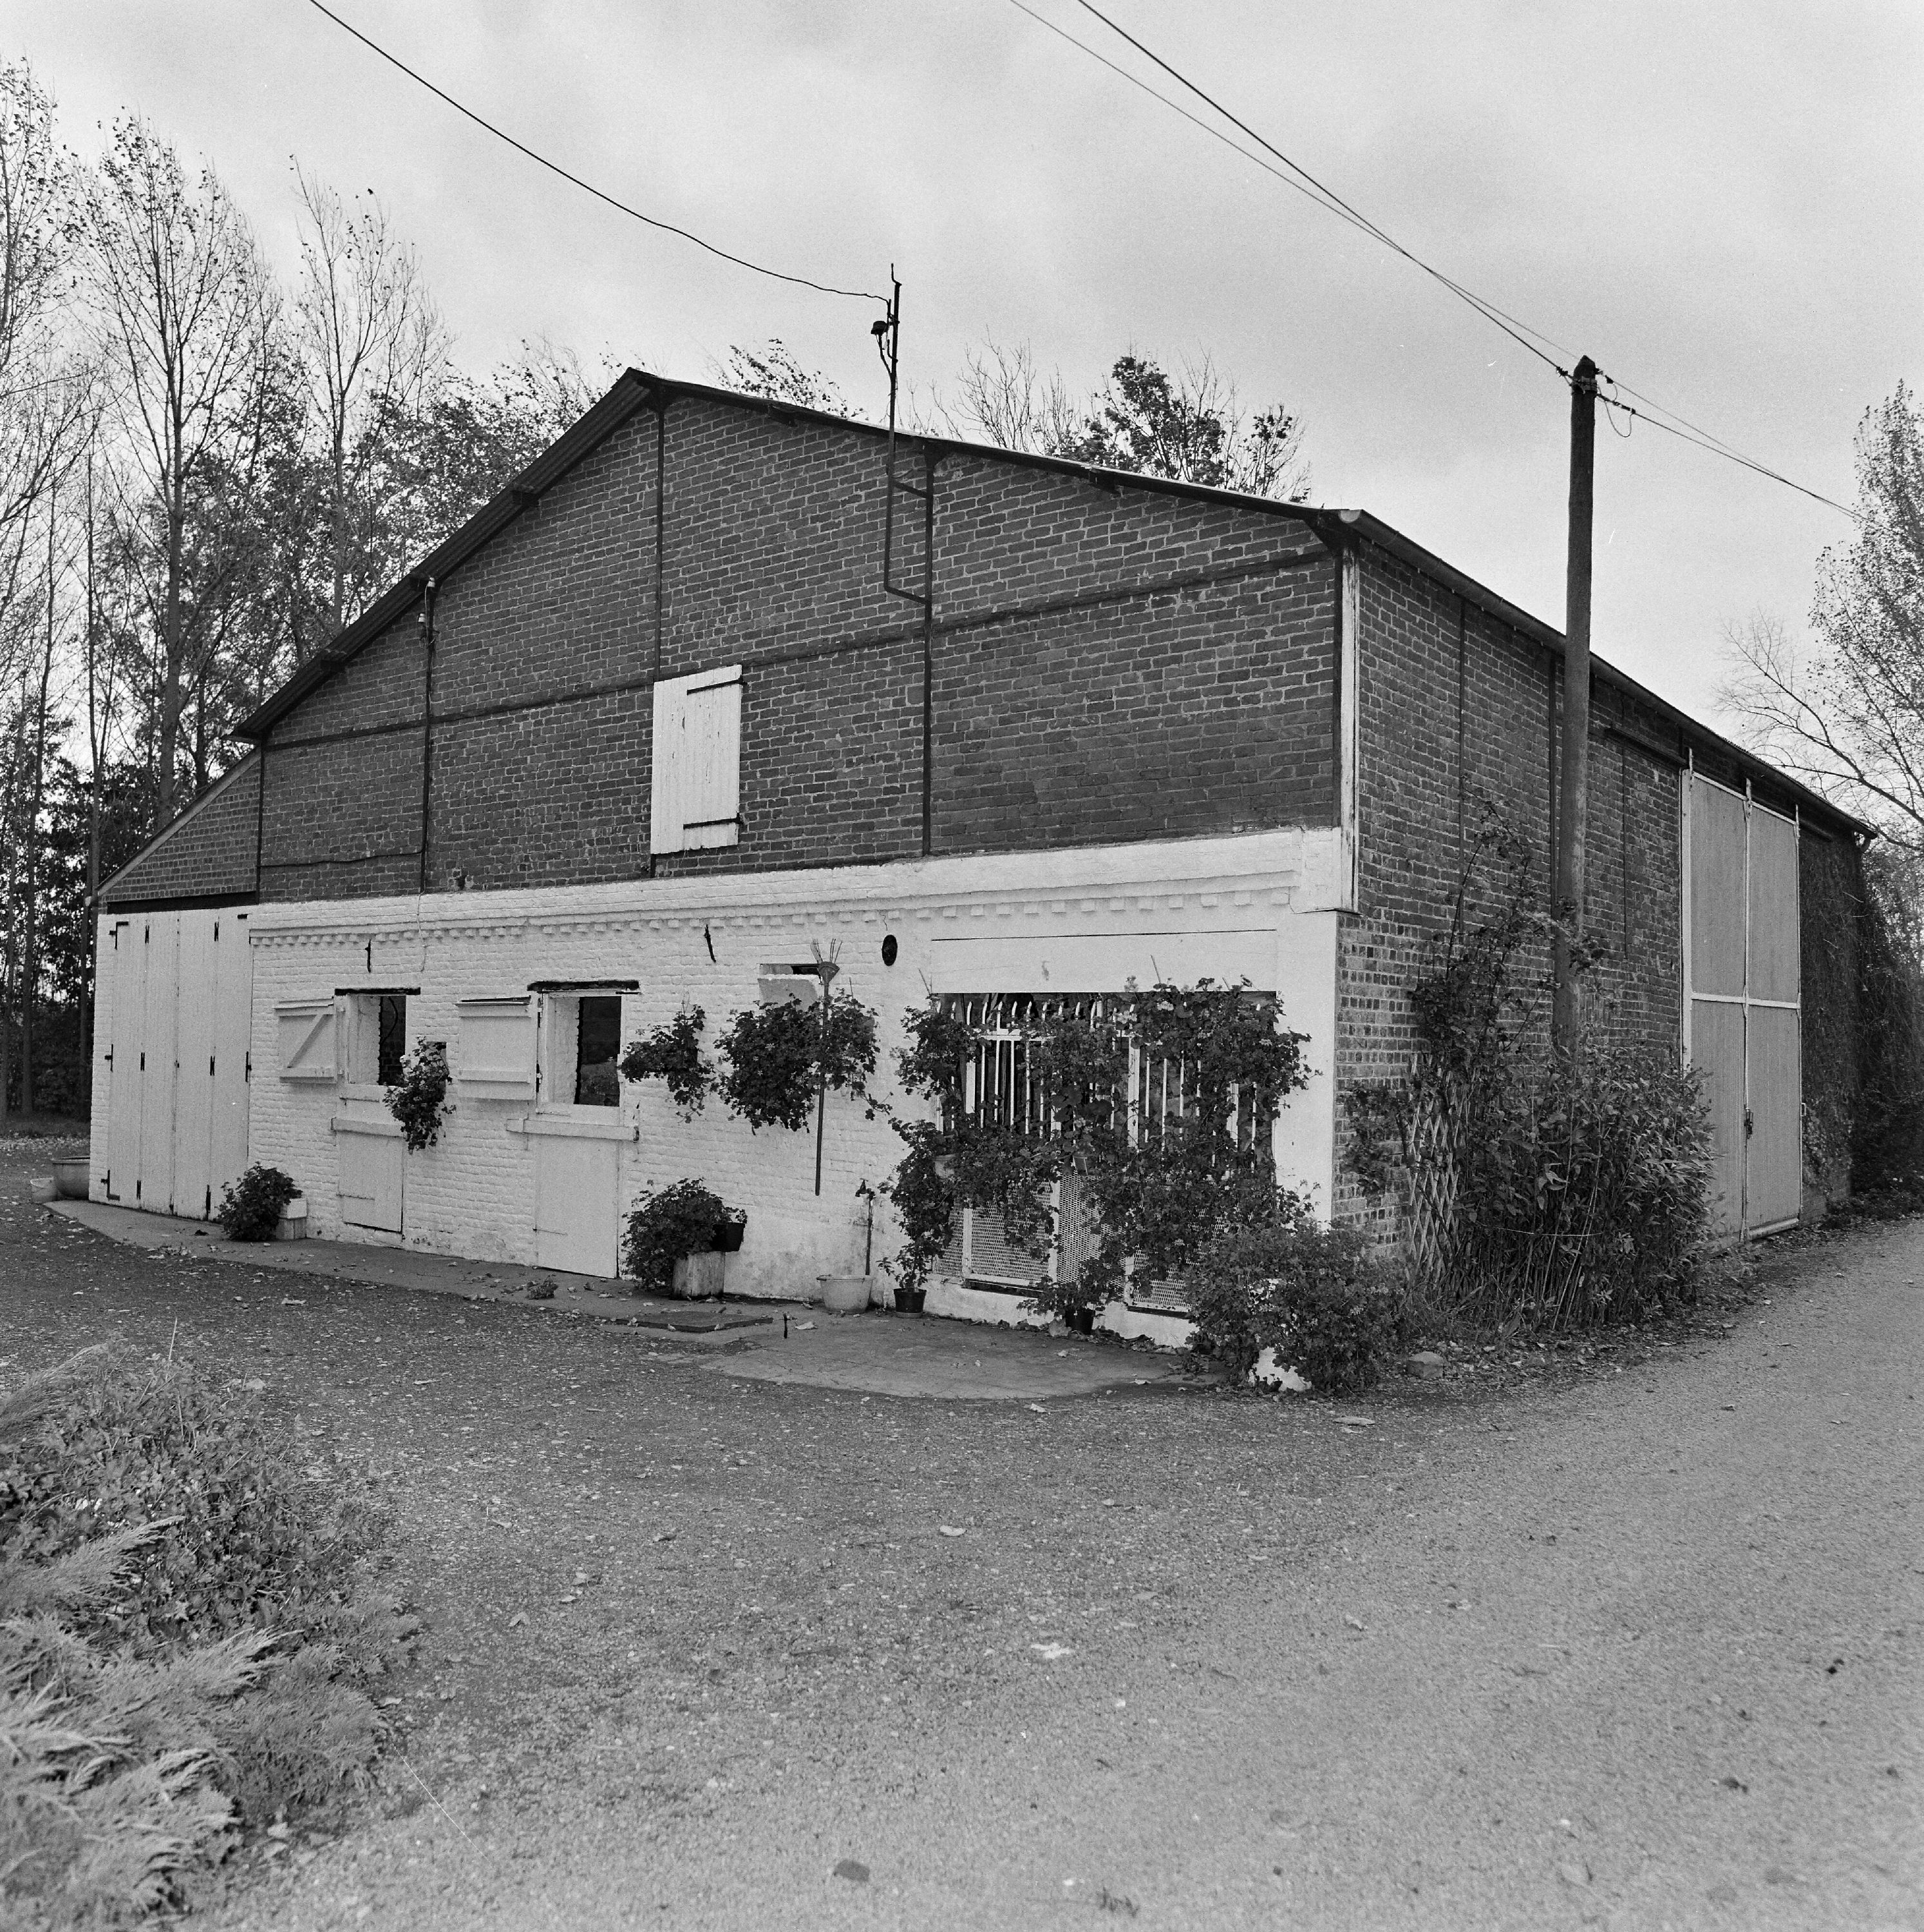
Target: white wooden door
point(233, 987)
point(154, 1183)
point(119, 996)
point(193, 1180)
point(372, 1161)
point(1742, 1025)
point(576, 1204)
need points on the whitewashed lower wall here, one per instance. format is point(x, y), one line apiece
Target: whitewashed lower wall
point(1085, 920)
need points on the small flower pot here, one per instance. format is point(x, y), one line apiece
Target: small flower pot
point(728, 1233)
point(909, 1300)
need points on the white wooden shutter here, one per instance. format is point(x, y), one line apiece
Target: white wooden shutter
point(496, 1054)
point(696, 795)
point(305, 1029)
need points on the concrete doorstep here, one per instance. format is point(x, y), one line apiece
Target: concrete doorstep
point(877, 1352)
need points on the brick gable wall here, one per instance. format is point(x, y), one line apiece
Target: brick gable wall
point(1460, 722)
point(1110, 664)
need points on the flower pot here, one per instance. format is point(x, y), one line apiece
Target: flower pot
point(70, 1178)
point(292, 1225)
point(909, 1300)
point(1083, 1321)
point(844, 1294)
point(728, 1234)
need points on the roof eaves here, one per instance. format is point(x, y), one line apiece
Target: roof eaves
point(632, 390)
point(190, 810)
point(1359, 523)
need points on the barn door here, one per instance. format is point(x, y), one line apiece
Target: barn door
point(123, 964)
point(159, 941)
point(1741, 1019)
point(577, 1185)
point(232, 1051)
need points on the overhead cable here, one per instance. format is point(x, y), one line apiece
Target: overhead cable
point(588, 187)
point(1522, 333)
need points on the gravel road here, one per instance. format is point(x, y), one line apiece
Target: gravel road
point(1636, 1649)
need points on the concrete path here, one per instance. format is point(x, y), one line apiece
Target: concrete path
point(876, 1353)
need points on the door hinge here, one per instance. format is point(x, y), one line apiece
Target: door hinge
point(210, 1067)
point(136, 1190)
point(247, 1071)
point(143, 1068)
point(1749, 1123)
point(207, 1203)
point(109, 1056)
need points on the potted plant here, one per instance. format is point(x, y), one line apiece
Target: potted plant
point(673, 1232)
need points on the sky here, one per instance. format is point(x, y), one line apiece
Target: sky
point(1718, 202)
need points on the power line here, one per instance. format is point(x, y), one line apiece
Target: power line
point(1518, 331)
point(1305, 183)
point(588, 188)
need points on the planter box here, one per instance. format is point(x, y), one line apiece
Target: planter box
point(292, 1225)
point(71, 1177)
point(699, 1277)
point(844, 1294)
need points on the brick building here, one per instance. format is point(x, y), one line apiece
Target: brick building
point(652, 728)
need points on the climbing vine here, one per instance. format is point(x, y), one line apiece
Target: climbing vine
point(1158, 1103)
point(1536, 1190)
point(420, 1099)
point(672, 1054)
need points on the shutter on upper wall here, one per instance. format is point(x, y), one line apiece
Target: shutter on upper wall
point(495, 1053)
point(305, 1031)
point(696, 794)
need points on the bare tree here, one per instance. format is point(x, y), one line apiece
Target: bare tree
point(772, 371)
point(186, 316)
point(372, 345)
point(1847, 712)
point(1191, 428)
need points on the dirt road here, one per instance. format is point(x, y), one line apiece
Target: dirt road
point(1640, 1650)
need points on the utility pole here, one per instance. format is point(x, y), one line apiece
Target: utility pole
point(1573, 799)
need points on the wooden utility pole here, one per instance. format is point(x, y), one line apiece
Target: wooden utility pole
point(1573, 799)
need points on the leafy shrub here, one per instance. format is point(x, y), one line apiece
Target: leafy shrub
point(673, 1054)
point(1583, 1195)
point(664, 1227)
point(419, 1100)
point(1309, 1292)
point(190, 1619)
point(777, 1055)
point(250, 1207)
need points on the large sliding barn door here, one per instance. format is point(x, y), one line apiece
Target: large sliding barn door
point(1743, 1023)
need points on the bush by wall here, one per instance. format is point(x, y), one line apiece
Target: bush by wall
point(667, 1225)
point(250, 1207)
point(1536, 1190)
point(1309, 1292)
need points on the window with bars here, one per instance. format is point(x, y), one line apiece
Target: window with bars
point(1005, 1086)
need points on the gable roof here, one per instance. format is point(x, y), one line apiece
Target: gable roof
point(637, 389)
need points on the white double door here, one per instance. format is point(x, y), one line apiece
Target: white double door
point(172, 995)
point(1743, 1017)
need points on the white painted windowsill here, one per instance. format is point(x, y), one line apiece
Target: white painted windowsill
point(576, 1123)
point(356, 1123)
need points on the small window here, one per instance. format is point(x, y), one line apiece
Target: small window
point(390, 1038)
point(376, 1032)
point(598, 1046)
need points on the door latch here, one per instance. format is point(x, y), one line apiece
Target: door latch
point(1749, 1123)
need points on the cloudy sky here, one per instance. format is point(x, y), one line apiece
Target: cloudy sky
point(1720, 202)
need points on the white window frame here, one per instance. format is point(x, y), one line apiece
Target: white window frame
point(558, 1038)
point(695, 780)
point(359, 1039)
